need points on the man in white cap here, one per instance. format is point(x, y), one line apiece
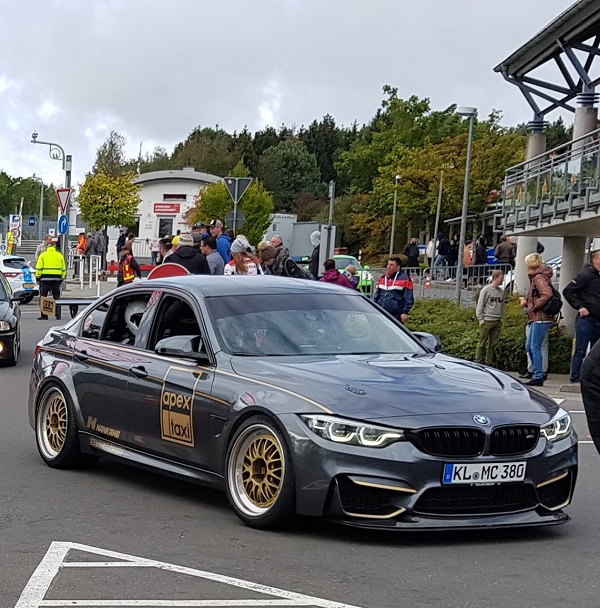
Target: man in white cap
point(223, 240)
point(313, 261)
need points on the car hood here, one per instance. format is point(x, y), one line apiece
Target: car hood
point(376, 387)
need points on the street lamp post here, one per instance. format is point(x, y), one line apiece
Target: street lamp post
point(471, 113)
point(393, 232)
point(41, 216)
point(56, 152)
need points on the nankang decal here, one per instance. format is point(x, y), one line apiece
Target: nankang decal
point(176, 417)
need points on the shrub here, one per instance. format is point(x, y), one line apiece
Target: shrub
point(458, 329)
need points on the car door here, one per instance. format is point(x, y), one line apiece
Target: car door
point(170, 397)
point(103, 355)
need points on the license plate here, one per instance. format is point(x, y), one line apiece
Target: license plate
point(489, 472)
point(28, 285)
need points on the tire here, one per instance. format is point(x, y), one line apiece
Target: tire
point(264, 501)
point(56, 432)
point(13, 358)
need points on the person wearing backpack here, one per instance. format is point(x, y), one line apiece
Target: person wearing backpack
point(540, 293)
point(287, 267)
point(583, 294)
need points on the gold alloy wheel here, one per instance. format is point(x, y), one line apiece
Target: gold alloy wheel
point(256, 470)
point(52, 423)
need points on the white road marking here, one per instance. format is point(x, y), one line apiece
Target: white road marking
point(172, 603)
point(582, 441)
point(54, 560)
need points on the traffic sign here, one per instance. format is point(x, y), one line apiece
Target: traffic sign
point(63, 224)
point(3, 248)
point(239, 221)
point(32, 220)
point(237, 186)
point(63, 195)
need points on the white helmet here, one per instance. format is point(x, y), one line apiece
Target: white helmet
point(133, 314)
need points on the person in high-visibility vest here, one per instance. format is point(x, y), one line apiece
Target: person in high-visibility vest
point(10, 242)
point(50, 271)
point(128, 268)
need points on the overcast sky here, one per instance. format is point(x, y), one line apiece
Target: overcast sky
point(73, 70)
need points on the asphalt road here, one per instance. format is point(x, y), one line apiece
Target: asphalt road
point(119, 509)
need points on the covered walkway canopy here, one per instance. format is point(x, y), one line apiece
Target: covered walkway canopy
point(553, 48)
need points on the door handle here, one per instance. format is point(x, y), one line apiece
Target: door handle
point(81, 355)
point(138, 372)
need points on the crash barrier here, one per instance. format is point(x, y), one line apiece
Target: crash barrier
point(85, 267)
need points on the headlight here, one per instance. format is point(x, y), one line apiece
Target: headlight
point(352, 433)
point(4, 326)
point(558, 428)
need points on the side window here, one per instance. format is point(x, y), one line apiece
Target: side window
point(175, 318)
point(124, 319)
point(93, 322)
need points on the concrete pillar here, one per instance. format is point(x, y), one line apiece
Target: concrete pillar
point(536, 145)
point(586, 116)
point(573, 261)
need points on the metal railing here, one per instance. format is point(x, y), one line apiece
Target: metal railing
point(440, 282)
point(85, 267)
point(551, 186)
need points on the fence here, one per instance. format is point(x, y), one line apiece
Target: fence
point(82, 267)
point(440, 282)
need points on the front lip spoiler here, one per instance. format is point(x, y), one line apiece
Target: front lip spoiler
point(441, 524)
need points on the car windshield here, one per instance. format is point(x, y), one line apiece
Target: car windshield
point(16, 263)
point(3, 290)
point(341, 263)
point(303, 323)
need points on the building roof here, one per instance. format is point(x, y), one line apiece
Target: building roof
point(188, 174)
point(575, 25)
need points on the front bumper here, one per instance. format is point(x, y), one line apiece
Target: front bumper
point(400, 487)
point(6, 344)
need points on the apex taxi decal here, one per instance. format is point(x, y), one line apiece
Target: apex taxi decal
point(176, 410)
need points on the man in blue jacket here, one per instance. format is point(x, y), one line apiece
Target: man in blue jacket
point(223, 240)
point(394, 291)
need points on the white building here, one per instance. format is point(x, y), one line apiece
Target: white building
point(167, 196)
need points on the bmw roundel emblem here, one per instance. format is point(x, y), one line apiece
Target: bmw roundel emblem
point(479, 419)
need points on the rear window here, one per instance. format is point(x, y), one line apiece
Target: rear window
point(16, 263)
point(341, 263)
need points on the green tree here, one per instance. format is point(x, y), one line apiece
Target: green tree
point(287, 169)
point(110, 156)
point(209, 150)
point(109, 201)
point(256, 204)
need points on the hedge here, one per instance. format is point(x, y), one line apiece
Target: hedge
point(458, 329)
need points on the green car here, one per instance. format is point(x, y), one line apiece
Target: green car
point(366, 282)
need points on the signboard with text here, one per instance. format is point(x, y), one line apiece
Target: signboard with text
point(167, 208)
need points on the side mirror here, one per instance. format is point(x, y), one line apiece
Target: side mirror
point(181, 346)
point(366, 267)
point(19, 295)
point(429, 341)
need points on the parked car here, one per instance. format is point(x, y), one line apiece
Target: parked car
point(20, 276)
point(10, 319)
point(299, 397)
point(366, 282)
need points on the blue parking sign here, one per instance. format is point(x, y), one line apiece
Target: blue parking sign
point(32, 220)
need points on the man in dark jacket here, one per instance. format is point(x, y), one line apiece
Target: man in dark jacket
point(504, 251)
point(188, 256)
point(411, 251)
point(583, 294)
point(394, 291)
point(590, 391)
